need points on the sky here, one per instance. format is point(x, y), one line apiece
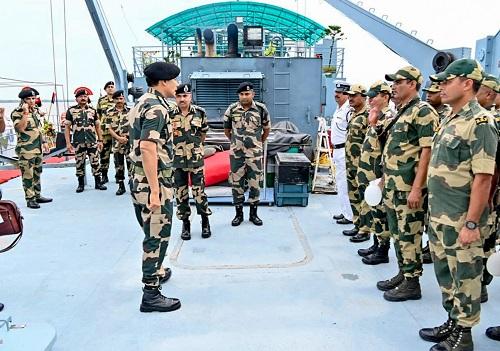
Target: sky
point(27, 44)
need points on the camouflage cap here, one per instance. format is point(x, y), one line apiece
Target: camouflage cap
point(379, 87)
point(407, 72)
point(491, 82)
point(433, 88)
point(357, 89)
point(467, 68)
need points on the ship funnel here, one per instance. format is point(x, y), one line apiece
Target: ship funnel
point(199, 43)
point(232, 40)
point(209, 42)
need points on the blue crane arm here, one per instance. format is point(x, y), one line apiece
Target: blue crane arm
point(104, 33)
point(413, 50)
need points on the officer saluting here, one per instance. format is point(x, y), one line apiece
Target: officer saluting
point(30, 144)
point(189, 125)
point(247, 124)
point(340, 123)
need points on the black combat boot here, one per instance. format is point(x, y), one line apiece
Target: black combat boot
point(98, 184)
point(350, 232)
point(154, 301)
point(205, 227)
point(104, 178)
point(32, 204)
point(43, 200)
point(426, 255)
point(409, 289)
point(491, 332)
point(121, 188)
point(81, 184)
point(484, 293)
point(370, 250)
point(460, 339)
point(438, 334)
point(238, 219)
point(186, 229)
point(1, 307)
point(381, 255)
point(253, 215)
point(389, 284)
point(360, 237)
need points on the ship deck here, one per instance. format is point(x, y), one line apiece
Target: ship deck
point(294, 284)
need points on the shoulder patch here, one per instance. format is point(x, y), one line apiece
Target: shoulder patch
point(199, 108)
point(481, 120)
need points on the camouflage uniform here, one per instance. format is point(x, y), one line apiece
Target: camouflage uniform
point(464, 145)
point(370, 168)
point(414, 129)
point(149, 121)
point(29, 151)
point(188, 160)
point(490, 240)
point(119, 124)
point(84, 123)
point(443, 111)
point(358, 125)
point(246, 146)
point(104, 104)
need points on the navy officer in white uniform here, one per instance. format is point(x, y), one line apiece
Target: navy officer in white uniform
point(340, 121)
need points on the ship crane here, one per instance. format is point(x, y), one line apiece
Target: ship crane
point(419, 54)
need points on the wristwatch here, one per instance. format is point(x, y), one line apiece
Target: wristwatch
point(470, 225)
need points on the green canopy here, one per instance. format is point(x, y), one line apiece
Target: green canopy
point(176, 28)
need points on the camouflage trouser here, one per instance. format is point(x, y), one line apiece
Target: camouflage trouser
point(155, 225)
point(246, 173)
point(406, 226)
point(81, 152)
point(31, 169)
point(105, 154)
point(489, 246)
point(380, 225)
point(361, 212)
point(458, 272)
point(121, 157)
point(181, 184)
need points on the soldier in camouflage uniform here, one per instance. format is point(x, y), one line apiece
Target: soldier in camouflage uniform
point(434, 99)
point(358, 125)
point(118, 129)
point(30, 144)
point(443, 110)
point(370, 168)
point(247, 124)
point(486, 98)
point(82, 119)
point(406, 158)
point(104, 104)
point(494, 332)
point(189, 125)
point(460, 172)
point(151, 186)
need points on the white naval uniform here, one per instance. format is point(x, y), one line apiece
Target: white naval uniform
point(340, 122)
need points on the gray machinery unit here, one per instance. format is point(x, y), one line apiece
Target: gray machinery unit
point(288, 86)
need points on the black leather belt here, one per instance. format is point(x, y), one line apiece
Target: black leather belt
point(339, 146)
